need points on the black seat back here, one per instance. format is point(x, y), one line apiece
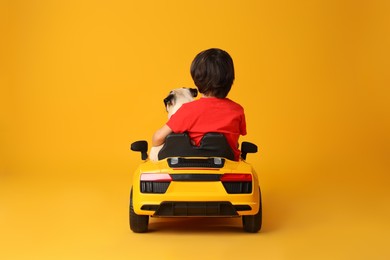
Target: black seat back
point(211, 145)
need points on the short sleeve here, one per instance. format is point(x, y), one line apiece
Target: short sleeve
point(243, 124)
point(178, 121)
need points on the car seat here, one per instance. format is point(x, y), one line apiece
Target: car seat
point(211, 145)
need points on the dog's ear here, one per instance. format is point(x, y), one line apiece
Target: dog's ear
point(194, 92)
point(168, 100)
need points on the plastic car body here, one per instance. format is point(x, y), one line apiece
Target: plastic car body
point(192, 181)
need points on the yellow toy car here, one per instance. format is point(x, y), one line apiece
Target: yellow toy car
point(190, 181)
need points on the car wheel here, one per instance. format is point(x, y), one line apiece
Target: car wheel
point(138, 223)
point(252, 223)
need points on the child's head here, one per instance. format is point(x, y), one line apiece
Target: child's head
point(213, 72)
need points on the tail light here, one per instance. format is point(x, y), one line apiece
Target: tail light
point(237, 183)
point(160, 177)
point(236, 177)
point(155, 182)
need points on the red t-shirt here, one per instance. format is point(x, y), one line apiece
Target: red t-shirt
point(210, 114)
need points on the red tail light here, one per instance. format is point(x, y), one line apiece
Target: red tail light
point(158, 177)
point(236, 177)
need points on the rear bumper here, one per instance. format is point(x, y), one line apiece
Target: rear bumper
point(196, 199)
point(196, 209)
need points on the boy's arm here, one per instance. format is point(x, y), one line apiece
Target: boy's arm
point(160, 135)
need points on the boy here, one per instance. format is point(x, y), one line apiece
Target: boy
point(213, 73)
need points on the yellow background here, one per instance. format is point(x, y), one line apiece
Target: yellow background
point(81, 80)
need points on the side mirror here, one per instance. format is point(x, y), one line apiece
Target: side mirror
point(140, 146)
point(247, 147)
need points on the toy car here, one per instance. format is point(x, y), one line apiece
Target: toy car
point(190, 181)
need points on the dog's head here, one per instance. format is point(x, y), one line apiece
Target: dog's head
point(178, 97)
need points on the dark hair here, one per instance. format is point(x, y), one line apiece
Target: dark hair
point(213, 72)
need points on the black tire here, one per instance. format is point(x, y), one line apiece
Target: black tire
point(252, 223)
point(138, 223)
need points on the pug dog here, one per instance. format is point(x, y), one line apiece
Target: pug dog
point(175, 99)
